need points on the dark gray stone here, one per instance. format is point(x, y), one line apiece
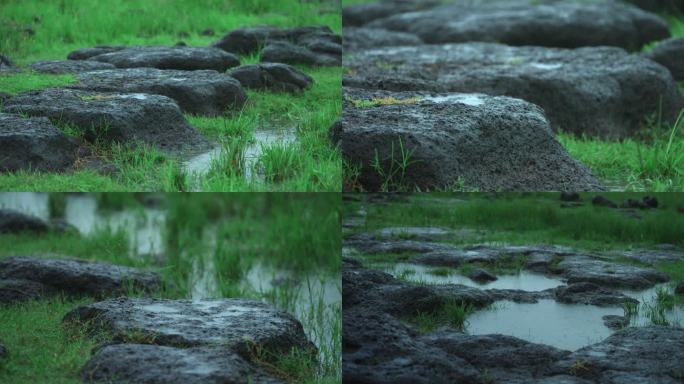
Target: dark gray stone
point(566, 24)
point(481, 276)
point(56, 67)
point(79, 277)
point(86, 53)
point(154, 364)
point(4, 97)
point(14, 291)
point(603, 201)
point(615, 322)
point(591, 294)
point(570, 196)
point(680, 289)
point(198, 92)
point(4, 353)
point(670, 54)
point(113, 117)
point(595, 91)
point(34, 144)
point(360, 14)
point(488, 143)
point(584, 269)
point(233, 323)
point(289, 53)
point(250, 40)
point(16, 222)
point(356, 39)
point(7, 65)
point(179, 57)
point(272, 76)
point(633, 355)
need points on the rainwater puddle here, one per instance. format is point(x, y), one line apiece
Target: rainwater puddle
point(30, 203)
point(467, 99)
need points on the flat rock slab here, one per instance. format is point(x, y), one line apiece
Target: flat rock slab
point(12, 221)
point(591, 294)
point(652, 256)
point(79, 277)
point(57, 67)
point(272, 76)
point(360, 14)
point(34, 144)
point(201, 92)
point(178, 57)
point(234, 323)
point(633, 355)
point(290, 53)
point(86, 53)
point(484, 142)
point(566, 24)
point(113, 117)
point(595, 91)
point(250, 40)
point(356, 39)
point(14, 291)
point(150, 364)
point(585, 269)
point(670, 54)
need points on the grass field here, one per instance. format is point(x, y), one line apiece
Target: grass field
point(653, 162)
point(295, 234)
point(39, 30)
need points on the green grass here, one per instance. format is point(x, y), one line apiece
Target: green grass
point(298, 233)
point(63, 26)
point(452, 314)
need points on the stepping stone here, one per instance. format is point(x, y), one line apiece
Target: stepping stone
point(356, 39)
point(670, 54)
point(178, 57)
point(633, 355)
point(79, 277)
point(250, 40)
point(235, 323)
point(488, 143)
point(14, 291)
point(585, 269)
point(197, 92)
point(136, 363)
point(272, 76)
point(289, 53)
point(34, 144)
point(113, 117)
point(565, 24)
point(596, 91)
point(591, 294)
point(56, 67)
point(16, 222)
point(360, 14)
point(86, 53)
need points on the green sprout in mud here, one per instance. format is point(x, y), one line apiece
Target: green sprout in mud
point(393, 178)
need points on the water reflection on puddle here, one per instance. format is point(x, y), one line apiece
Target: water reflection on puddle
point(525, 281)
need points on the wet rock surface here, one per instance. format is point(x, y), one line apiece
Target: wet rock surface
point(485, 142)
point(178, 57)
point(237, 324)
point(579, 268)
point(615, 322)
point(202, 92)
point(14, 291)
point(250, 40)
point(591, 294)
point(481, 276)
point(356, 39)
point(86, 53)
point(360, 14)
point(680, 289)
point(136, 363)
point(596, 91)
point(79, 277)
point(112, 117)
point(69, 66)
point(670, 54)
point(289, 53)
point(33, 144)
point(272, 76)
point(16, 222)
point(564, 24)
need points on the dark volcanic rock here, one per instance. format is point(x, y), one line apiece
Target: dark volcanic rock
point(33, 144)
point(670, 54)
point(543, 23)
point(481, 276)
point(17, 222)
point(13, 291)
point(603, 202)
point(591, 294)
point(179, 57)
point(6, 65)
point(250, 40)
point(570, 196)
point(615, 322)
point(79, 277)
point(584, 269)
point(86, 53)
point(360, 14)
point(112, 117)
point(235, 323)
point(69, 66)
point(198, 92)
point(680, 289)
point(596, 91)
point(153, 364)
point(652, 256)
point(272, 76)
point(633, 355)
point(488, 143)
point(4, 97)
point(356, 39)
point(289, 53)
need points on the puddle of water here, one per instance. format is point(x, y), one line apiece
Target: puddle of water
point(545, 66)
point(525, 281)
point(30, 203)
point(467, 99)
point(203, 280)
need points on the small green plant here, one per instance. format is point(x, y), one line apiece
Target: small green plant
point(631, 309)
point(579, 367)
point(280, 161)
point(441, 271)
point(393, 177)
point(452, 313)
